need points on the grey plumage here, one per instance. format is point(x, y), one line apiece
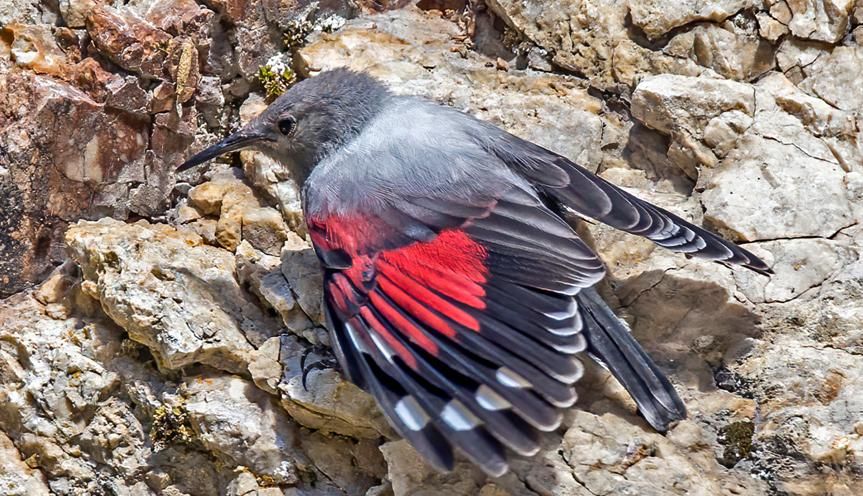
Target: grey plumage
point(456, 293)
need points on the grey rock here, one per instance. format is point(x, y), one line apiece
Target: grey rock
point(16, 478)
point(824, 20)
point(244, 426)
point(590, 38)
point(657, 17)
point(170, 292)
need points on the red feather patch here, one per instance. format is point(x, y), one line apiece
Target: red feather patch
point(453, 252)
point(351, 233)
point(417, 284)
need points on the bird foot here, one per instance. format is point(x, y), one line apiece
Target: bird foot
point(327, 362)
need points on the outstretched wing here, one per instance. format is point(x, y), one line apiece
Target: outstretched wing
point(457, 315)
point(594, 197)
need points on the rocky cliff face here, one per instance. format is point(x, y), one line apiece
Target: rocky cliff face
point(152, 326)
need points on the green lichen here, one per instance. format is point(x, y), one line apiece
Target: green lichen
point(267, 481)
point(297, 31)
point(276, 80)
point(300, 27)
point(131, 348)
point(737, 439)
point(170, 425)
point(162, 46)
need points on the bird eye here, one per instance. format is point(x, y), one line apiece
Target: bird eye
point(287, 125)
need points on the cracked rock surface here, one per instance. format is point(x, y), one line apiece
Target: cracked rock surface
point(152, 326)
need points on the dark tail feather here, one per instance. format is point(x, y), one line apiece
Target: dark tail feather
point(610, 343)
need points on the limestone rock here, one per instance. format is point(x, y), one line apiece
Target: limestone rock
point(240, 214)
point(762, 174)
point(769, 27)
point(265, 229)
point(608, 456)
point(262, 273)
point(590, 38)
point(245, 484)
point(667, 103)
point(170, 292)
point(831, 75)
point(824, 20)
point(34, 47)
point(302, 272)
point(94, 411)
point(657, 17)
point(26, 11)
point(65, 414)
point(770, 139)
point(739, 115)
point(244, 426)
point(732, 48)
point(329, 404)
point(410, 474)
point(683, 108)
point(16, 478)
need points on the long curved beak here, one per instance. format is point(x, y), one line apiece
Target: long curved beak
point(236, 141)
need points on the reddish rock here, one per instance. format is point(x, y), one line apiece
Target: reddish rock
point(172, 135)
point(129, 41)
point(89, 76)
point(180, 17)
point(127, 95)
point(72, 42)
point(61, 151)
point(34, 47)
point(259, 28)
point(233, 11)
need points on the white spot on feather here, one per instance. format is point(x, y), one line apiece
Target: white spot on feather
point(578, 344)
point(411, 413)
point(568, 402)
point(508, 378)
point(383, 346)
point(490, 400)
point(575, 328)
point(570, 311)
point(358, 343)
point(457, 416)
point(575, 375)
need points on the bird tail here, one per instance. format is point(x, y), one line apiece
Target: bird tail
point(610, 343)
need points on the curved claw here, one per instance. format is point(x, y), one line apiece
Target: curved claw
point(325, 363)
point(319, 365)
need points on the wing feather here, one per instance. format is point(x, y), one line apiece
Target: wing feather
point(592, 196)
point(466, 334)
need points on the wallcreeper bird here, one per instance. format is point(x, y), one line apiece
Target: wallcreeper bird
point(455, 292)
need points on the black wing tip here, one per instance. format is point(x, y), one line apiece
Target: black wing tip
point(762, 269)
point(189, 164)
point(663, 421)
point(758, 265)
point(746, 259)
point(663, 417)
point(495, 469)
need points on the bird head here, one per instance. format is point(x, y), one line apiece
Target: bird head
point(306, 123)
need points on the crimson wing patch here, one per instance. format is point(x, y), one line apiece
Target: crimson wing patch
point(460, 320)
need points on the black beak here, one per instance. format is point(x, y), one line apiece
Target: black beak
point(236, 141)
